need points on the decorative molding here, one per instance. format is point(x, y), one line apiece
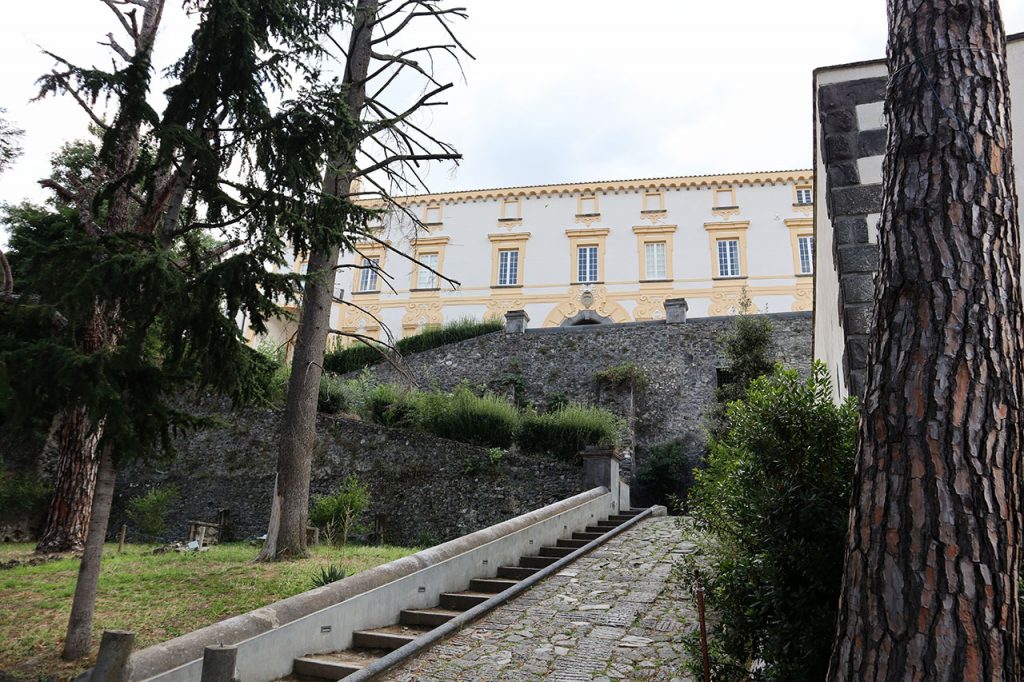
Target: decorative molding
point(419, 315)
point(654, 229)
point(584, 297)
point(650, 307)
point(587, 219)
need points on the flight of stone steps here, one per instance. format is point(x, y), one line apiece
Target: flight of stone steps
point(369, 645)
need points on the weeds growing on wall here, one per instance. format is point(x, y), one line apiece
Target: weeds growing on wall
point(772, 504)
point(624, 376)
point(362, 355)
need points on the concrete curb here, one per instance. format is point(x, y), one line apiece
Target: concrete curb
point(422, 643)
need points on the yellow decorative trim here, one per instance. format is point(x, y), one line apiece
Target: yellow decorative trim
point(654, 200)
point(731, 230)
point(598, 300)
point(353, 320)
point(425, 246)
point(365, 251)
point(433, 213)
point(430, 241)
point(646, 234)
point(512, 208)
point(515, 241)
point(803, 297)
point(497, 307)
point(585, 237)
point(422, 314)
point(799, 227)
point(611, 186)
point(725, 300)
point(650, 307)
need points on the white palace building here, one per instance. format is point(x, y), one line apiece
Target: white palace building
point(584, 253)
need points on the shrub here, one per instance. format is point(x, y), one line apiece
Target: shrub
point(666, 471)
point(749, 347)
point(555, 401)
point(626, 375)
point(390, 406)
point(773, 501)
point(337, 514)
point(332, 395)
point(488, 420)
point(22, 494)
point(566, 432)
point(362, 355)
point(148, 512)
point(327, 575)
point(476, 464)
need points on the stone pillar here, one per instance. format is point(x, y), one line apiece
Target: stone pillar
point(113, 663)
point(516, 321)
point(675, 310)
point(219, 664)
point(601, 468)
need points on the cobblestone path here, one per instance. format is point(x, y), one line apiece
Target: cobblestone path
point(612, 615)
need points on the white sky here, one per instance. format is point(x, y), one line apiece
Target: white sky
point(561, 90)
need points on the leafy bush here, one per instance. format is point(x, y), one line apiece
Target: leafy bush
point(390, 405)
point(626, 375)
point(666, 471)
point(773, 502)
point(337, 514)
point(556, 401)
point(566, 432)
point(363, 355)
point(22, 494)
point(332, 395)
point(487, 420)
point(331, 573)
point(148, 512)
point(749, 347)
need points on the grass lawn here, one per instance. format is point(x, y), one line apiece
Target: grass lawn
point(156, 596)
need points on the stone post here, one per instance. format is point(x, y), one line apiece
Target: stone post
point(219, 664)
point(516, 321)
point(601, 468)
point(113, 662)
point(675, 310)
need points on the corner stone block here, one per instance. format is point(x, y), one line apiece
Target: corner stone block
point(675, 310)
point(858, 287)
point(839, 121)
point(858, 258)
point(857, 352)
point(516, 321)
point(859, 200)
point(840, 147)
point(871, 143)
point(857, 319)
point(843, 174)
point(850, 231)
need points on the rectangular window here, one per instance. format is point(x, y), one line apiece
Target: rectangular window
point(586, 264)
point(725, 198)
point(511, 208)
point(368, 275)
point(728, 258)
point(803, 196)
point(425, 279)
point(806, 245)
point(654, 201)
point(588, 205)
point(654, 261)
point(432, 215)
point(508, 267)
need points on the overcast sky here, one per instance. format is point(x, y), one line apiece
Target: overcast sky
point(560, 91)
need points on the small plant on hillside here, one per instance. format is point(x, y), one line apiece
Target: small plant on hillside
point(337, 515)
point(474, 464)
point(148, 512)
point(566, 432)
point(332, 395)
point(772, 503)
point(624, 376)
point(331, 573)
point(488, 420)
point(556, 401)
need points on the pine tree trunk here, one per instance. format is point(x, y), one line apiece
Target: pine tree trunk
point(930, 588)
point(68, 518)
point(79, 635)
point(286, 535)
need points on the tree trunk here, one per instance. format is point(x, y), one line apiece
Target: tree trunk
point(79, 636)
point(68, 516)
point(930, 585)
point(287, 538)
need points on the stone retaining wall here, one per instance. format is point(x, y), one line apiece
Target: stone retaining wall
point(418, 480)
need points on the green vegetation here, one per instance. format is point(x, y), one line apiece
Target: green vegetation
point(626, 375)
point(156, 596)
point(363, 355)
point(772, 505)
point(749, 346)
point(666, 471)
point(483, 464)
point(22, 494)
point(331, 573)
point(567, 431)
point(337, 515)
point(148, 512)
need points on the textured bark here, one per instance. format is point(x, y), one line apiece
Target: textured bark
point(286, 534)
point(930, 587)
point(79, 636)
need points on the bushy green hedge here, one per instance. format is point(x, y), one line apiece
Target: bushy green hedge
point(22, 495)
point(666, 472)
point(363, 355)
point(567, 431)
point(773, 502)
point(489, 420)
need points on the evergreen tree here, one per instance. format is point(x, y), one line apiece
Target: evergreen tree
point(9, 147)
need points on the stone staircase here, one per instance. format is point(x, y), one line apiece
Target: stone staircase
point(369, 645)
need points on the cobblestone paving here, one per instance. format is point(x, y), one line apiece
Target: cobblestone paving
point(612, 615)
